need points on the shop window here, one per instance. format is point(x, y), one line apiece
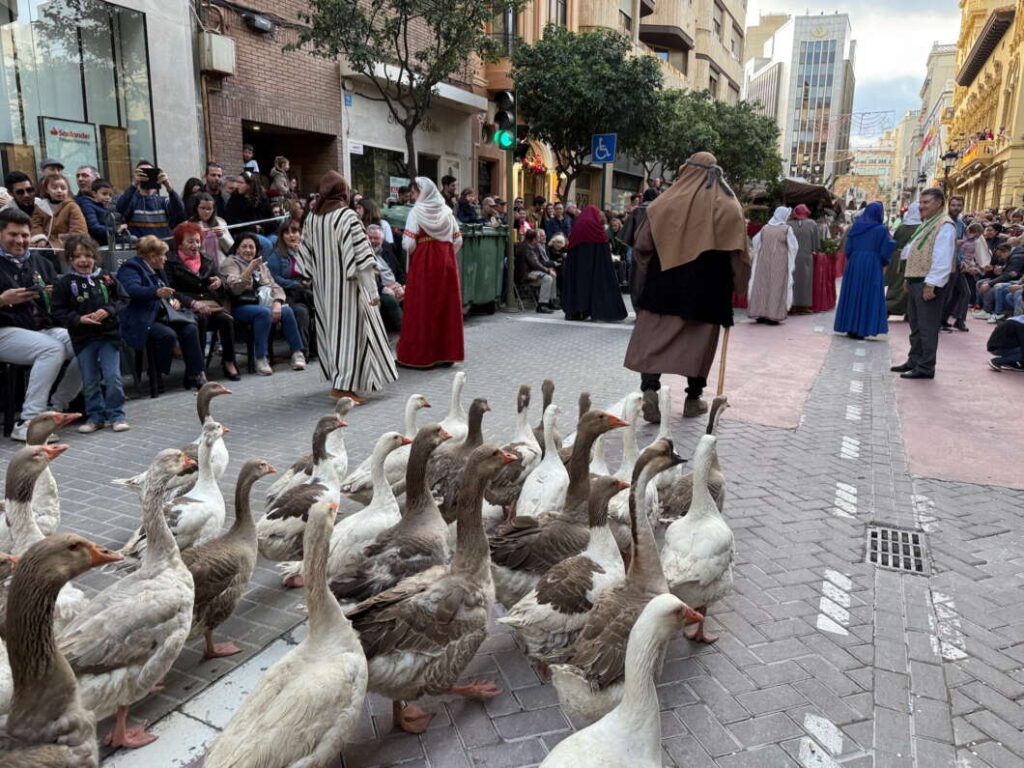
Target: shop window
point(75, 77)
point(373, 170)
point(557, 12)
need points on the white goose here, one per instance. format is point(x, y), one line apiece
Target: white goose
point(306, 705)
point(675, 501)
point(630, 735)
point(456, 423)
point(699, 548)
point(358, 485)
point(618, 507)
point(300, 472)
point(356, 530)
point(669, 477)
point(505, 488)
point(544, 489)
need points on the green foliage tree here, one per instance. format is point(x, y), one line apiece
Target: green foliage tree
point(572, 85)
point(748, 144)
point(406, 48)
point(678, 124)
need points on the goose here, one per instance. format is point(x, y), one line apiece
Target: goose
point(7, 563)
point(582, 406)
point(23, 473)
point(618, 508)
point(357, 530)
point(630, 735)
point(522, 555)
point(444, 471)
point(45, 495)
point(504, 490)
point(280, 531)
point(221, 567)
point(47, 724)
point(358, 486)
point(197, 515)
point(309, 702)
point(699, 548)
point(420, 634)
point(456, 423)
point(419, 540)
point(549, 617)
point(669, 477)
point(547, 390)
point(130, 634)
point(207, 392)
point(302, 469)
point(675, 501)
point(588, 676)
point(544, 489)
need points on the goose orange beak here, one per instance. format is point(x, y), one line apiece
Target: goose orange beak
point(271, 470)
point(445, 434)
point(333, 506)
point(405, 441)
point(226, 429)
point(225, 391)
point(188, 462)
point(54, 450)
point(342, 423)
point(100, 556)
point(426, 404)
point(13, 559)
point(691, 616)
point(508, 458)
point(66, 418)
point(623, 485)
point(616, 422)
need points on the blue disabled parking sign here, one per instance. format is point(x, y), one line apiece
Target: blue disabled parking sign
point(602, 147)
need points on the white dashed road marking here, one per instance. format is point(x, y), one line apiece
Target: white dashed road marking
point(924, 509)
point(856, 387)
point(947, 637)
point(860, 352)
point(850, 449)
point(827, 741)
point(858, 367)
point(853, 413)
point(834, 605)
point(845, 502)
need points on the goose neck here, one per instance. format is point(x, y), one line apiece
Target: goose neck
point(243, 507)
point(416, 490)
point(160, 544)
point(550, 448)
point(639, 706)
point(411, 408)
point(23, 526)
point(29, 629)
point(381, 487)
point(325, 614)
point(645, 565)
point(703, 503)
point(471, 547)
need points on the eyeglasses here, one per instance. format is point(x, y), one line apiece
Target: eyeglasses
point(25, 191)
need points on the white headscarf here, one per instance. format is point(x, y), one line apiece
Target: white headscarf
point(433, 216)
point(781, 216)
point(913, 214)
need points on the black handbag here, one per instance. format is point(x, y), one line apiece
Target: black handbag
point(175, 316)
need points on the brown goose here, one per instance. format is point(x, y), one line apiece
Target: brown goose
point(588, 676)
point(521, 556)
point(675, 501)
point(45, 496)
point(445, 468)
point(47, 725)
point(505, 488)
point(221, 568)
point(582, 406)
point(300, 471)
point(420, 635)
point(280, 531)
point(419, 540)
point(549, 617)
point(547, 390)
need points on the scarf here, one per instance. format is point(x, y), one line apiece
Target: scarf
point(588, 228)
point(801, 212)
point(192, 263)
point(913, 214)
point(869, 219)
point(433, 216)
point(18, 261)
point(333, 193)
point(698, 213)
point(781, 216)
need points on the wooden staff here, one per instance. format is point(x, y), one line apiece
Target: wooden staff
point(721, 363)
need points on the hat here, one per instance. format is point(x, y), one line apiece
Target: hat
point(489, 201)
point(52, 161)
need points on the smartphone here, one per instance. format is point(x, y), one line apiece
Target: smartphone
point(3, 192)
point(152, 174)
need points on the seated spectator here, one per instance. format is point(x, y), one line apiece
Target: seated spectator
point(217, 240)
point(57, 215)
point(501, 207)
point(397, 212)
point(559, 223)
point(247, 203)
point(369, 214)
point(87, 301)
point(257, 299)
point(489, 214)
point(992, 292)
point(145, 210)
point(101, 217)
point(1007, 344)
point(84, 178)
point(529, 269)
point(467, 211)
point(520, 221)
point(1016, 223)
point(993, 233)
point(22, 193)
point(390, 279)
point(28, 333)
point(279, 180)
point(214, 186)
point(155, 312)
point(193, 276)
point(297, 287)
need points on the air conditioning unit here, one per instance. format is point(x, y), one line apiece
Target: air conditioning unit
point(216, 54)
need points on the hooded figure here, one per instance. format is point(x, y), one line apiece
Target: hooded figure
point(691, 254)
point(861, 310)
point(770, 293)
point(808, 238)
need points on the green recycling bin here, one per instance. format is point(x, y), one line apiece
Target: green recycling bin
point(482, 265)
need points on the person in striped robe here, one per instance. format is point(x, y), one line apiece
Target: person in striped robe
point(335, 252)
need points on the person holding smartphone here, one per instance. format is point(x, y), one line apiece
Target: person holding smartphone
point(28, 333)
point(144, 209)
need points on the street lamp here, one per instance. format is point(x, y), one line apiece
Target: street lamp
point(948, 161)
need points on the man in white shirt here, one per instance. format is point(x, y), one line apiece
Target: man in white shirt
point(929, 257)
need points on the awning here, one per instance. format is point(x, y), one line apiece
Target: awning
point(666, 36)
point(995, 27)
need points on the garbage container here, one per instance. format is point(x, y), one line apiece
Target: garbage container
point(482, 265)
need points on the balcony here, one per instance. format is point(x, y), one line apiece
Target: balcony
point(979, 154)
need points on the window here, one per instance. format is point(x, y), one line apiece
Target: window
point(625, 22)
point(718, 21)
point(713, 84)
point(557, 14)
point(503, 27)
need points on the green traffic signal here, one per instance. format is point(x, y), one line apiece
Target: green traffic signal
point(505, 139)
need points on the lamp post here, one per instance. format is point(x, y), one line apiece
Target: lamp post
point(948, 161)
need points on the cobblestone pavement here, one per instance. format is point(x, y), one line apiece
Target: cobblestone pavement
point(824, 660)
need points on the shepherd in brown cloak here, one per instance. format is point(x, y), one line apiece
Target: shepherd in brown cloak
point(691, 254)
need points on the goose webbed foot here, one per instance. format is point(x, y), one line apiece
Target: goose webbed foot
point(294, 582)
point(218, 650)
point(478, 689)
point(409, 717)
point(698, 635)
point(130, 737)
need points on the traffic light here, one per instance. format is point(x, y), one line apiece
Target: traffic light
point(505, 119)
point(522, 148)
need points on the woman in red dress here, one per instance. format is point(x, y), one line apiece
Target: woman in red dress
point(432, 312)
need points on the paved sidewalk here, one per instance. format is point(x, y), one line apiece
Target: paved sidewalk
point(824, 659)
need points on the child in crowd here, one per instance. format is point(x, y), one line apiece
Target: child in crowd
point(87, 301)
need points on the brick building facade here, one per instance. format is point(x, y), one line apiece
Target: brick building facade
point(282, 102)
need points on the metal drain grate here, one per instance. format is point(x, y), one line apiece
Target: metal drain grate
point(896, 549)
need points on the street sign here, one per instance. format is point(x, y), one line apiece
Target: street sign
point(602, 147)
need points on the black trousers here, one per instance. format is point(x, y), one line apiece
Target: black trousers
point(222, 324)
point(925, 318)
point(694, 389)
point(185, 335)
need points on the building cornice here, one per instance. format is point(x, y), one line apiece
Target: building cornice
point(995, 27)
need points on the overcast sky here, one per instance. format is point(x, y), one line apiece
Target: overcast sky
point(893, 40)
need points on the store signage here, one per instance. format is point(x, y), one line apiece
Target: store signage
point(70, 141)
point(394, 182)
point(355, 148)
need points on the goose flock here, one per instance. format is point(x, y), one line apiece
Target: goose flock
point(403, 560)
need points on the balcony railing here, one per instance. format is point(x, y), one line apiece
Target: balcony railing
point(980, 152)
